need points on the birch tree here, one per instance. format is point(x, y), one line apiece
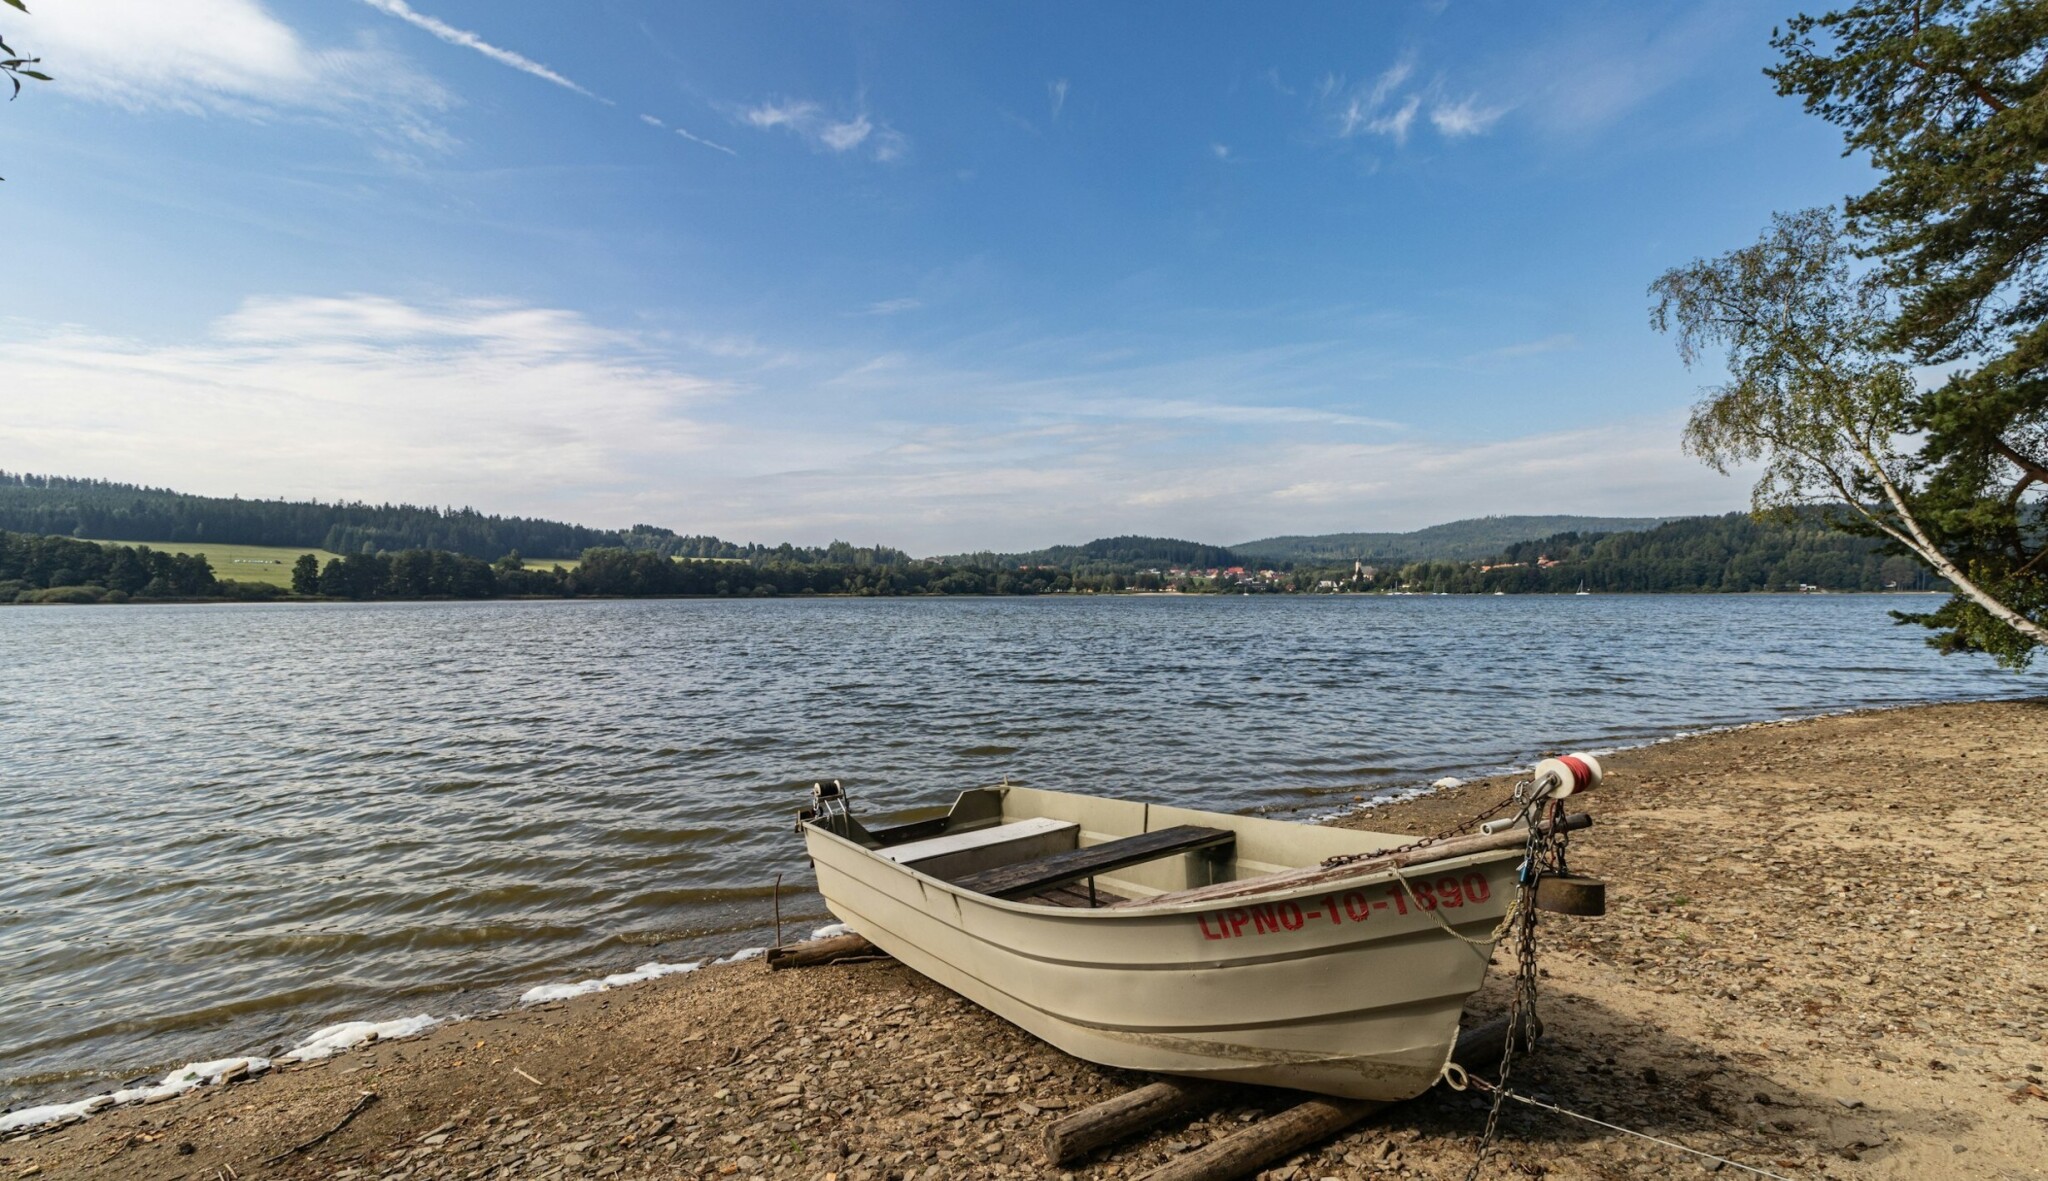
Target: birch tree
point(1948, 100)
point(1818, 398)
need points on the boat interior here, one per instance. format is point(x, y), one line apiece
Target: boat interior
point(1048, 848)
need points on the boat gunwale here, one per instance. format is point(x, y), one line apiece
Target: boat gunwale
point(1139, 909)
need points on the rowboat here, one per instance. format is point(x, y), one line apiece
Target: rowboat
point(1159, 938)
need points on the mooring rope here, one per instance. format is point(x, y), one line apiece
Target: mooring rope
point(1458, 1079)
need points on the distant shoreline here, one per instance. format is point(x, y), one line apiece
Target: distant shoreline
point(317, 600)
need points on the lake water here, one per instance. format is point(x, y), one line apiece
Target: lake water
point(228, 825)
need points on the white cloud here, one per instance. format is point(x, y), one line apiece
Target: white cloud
point(810, 121)
point(228, 57)
point(698, 139)
point(889, 307)
point(656, 122)
point(469, 40)
point(1593, 70)
point(518, 408)
point(1395, 123)
point(1056, 91)
point(850, 134)
point(788, 113)
point(1366, 108)
point(1220, 151)
point(1465, 117)
point(1388, 106)
point(474, 401)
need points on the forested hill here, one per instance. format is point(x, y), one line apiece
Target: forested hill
point(1108, 553)
point(1476, 537)
point(1735, 552)
point(108, 511)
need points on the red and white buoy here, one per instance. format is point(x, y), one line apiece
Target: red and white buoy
point(1565, 775)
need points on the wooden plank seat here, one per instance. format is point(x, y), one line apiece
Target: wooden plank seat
point(1039, 874)
point(941, 855)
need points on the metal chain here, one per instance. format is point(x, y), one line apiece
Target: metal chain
point(1457, 830)
point(1544, 854)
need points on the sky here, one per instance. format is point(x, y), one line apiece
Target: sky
point(941, 276)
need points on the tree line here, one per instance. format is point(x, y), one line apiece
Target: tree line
point(1694, 555)
point(37, 569)
point(1731, 553)
point(105, 510)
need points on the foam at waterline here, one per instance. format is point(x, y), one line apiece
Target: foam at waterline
point(830, 930)
point(324, 1043)
point(186, 1077)
point(649, 971)
point(562, 992)
point(328, 1042)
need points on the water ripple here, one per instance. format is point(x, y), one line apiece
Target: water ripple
point(230, 824)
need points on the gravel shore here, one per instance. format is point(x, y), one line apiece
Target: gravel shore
point(1826, 954)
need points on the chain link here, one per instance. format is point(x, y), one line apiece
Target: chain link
point(1544, 854)
point(1457, 830)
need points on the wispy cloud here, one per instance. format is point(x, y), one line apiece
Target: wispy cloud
point(698, 139)
point(889, 307)
point(304, 391)
point(656, 122)
point(1220, 151)
point(1390, 104)
point(1464, 117)
point(1056, 90)
point(234, 58)
point(1366, 108)
point(811, 122)
point(527, 408)
point(468, 40)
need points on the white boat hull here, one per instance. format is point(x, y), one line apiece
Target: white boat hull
point(1352, 988)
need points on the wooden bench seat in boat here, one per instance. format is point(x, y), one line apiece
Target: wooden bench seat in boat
point(953, 854)
point(1023, 878)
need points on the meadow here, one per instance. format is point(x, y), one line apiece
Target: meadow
point(243, 563)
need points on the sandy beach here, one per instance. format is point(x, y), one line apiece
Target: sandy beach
point(1824, 957)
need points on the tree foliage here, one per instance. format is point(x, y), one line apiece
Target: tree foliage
point(1813, 394)
point(1733, 553)
point(111, 511)
point(32, 568)
point(1949, 99)
point(15, 66)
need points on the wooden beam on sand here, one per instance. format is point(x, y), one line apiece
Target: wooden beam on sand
point(1074, 1136)
point(820, 951)
point(1316, 1120)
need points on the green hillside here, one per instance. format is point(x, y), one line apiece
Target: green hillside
point(107, 510)
point(1470, 539)
point(1106, 554)
point(1690, 555)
